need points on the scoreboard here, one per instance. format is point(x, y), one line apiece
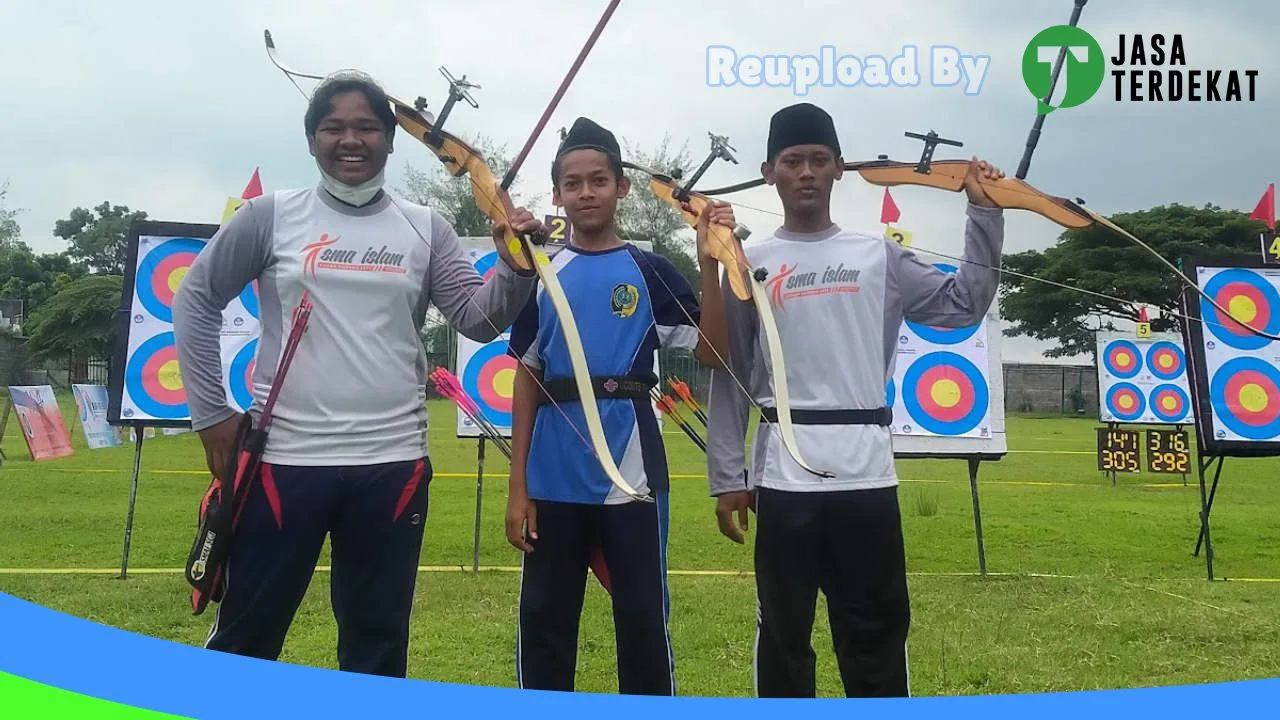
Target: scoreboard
point(1167, 451)
point(1120, 450)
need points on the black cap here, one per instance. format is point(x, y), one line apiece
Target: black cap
point(801, 124)
point(586, 134)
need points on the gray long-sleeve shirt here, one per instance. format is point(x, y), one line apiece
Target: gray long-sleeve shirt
point(839, 299)
point(356, 389)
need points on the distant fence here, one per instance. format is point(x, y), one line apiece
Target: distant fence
point(1063, 389)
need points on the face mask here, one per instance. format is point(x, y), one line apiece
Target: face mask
point(352, 194)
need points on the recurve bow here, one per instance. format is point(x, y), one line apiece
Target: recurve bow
point(1007, 192)
point(747, 283)
point(460, 159)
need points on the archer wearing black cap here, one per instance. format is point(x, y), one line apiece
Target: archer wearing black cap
point(628, 303)
point(839, 299)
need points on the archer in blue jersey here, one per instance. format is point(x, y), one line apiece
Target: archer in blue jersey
point(627, 304)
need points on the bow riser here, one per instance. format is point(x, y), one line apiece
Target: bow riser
point(461, 159)
point(724, 247)
point(1008, 193)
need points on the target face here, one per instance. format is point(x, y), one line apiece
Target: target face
point(1246, 397)
point(490, 379)
point(162, 271)
point(1166, 360)
point(946, 394)
point(240, 374)
point(1170, 403)
point(1249, 298)
point(939, 335)
point(1122, 359)
point(154, 381)
point(1125, 402)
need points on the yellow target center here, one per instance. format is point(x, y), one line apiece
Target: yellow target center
point(175, 278)
point(1125, 402)
point(1243, 308)
point(1165, 362)
point(1123, 360)
point(170, 376)
point(1169, 403)
point(1253, 398)
point(504, 381)
point(946, 393)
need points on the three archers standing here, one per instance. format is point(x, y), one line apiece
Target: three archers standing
point(629, 303)
point(839, 298)
point(347, 455)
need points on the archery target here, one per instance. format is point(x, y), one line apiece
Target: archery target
point(1248, 297)
point(941, 335)
point(489, 378)
point(240, 375)
point(154, 381)
point(1170, 403)
point(1125, 402)
point(1166, 360)
point(1122, 359)
point(1142, 381)
point(945, 393)
point(889, 393)
point(161, 271)
point(1245, 393)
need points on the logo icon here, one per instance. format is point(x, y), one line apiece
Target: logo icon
point(624, 299)
point(1083, 68)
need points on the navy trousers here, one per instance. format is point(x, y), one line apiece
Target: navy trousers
point(553, 583)
point(374, 516)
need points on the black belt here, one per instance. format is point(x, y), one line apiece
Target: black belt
point(566, 389)
point(878, 416)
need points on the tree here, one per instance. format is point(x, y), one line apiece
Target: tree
point(10, 231)
point(453, 197)
point(32, 278)
point(642, 216)
point(79, 321)
point(1095, 259)
point(99, 242)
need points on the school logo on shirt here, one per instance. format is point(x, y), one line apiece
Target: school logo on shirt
point(787, 284)
point(323, 255)
point(624, 299)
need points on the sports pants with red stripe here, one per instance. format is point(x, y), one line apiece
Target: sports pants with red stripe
point(374, 516)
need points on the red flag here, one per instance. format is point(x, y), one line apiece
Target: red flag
point(254, 188)
point(889, 209)
point(1266, 209)
point(1142, 315)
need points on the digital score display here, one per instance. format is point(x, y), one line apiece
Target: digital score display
point(1168, 452)
point(1119, 450)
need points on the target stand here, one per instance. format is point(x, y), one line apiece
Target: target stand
point(145, 388)
point(947, 404)
point(1234, 373)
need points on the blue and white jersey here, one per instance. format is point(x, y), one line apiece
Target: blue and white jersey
point(627, 303)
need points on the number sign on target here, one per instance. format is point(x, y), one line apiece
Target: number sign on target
point(146, 383)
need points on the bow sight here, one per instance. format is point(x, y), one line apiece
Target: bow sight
point(931, 140)
point(458, 90)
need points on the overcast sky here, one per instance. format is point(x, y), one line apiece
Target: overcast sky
point(168, 107)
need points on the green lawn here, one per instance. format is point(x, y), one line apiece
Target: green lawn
point(1091, 586)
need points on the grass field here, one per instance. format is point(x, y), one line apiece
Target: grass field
point(1091, 585)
